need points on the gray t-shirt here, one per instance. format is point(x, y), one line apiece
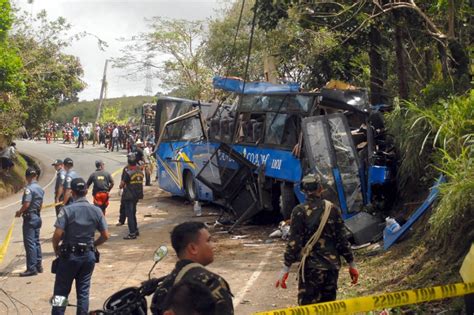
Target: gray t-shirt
point(60, 177)
point(70, 175)
point(33, 194)
point(79, 221)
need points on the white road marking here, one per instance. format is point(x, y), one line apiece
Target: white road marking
point(240, 296)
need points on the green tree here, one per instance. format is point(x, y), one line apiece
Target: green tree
point(51, 76)
point(172, 51)
point(11, 80)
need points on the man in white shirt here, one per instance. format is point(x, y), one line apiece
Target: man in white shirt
point(115, 138)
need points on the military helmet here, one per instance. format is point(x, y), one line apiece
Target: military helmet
point(311, 182)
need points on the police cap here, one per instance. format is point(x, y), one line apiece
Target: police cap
point(57, 162)
point(311, 182)
point(68, 161)
point(78, 185)
point(30, 171)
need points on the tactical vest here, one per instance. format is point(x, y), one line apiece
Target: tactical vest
point(133, 189)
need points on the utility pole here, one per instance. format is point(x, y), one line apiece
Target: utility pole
point(102, 91)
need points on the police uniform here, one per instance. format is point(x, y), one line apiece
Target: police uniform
point(79, 221)
point(132, 176)
point(33, 194)
point(70, 175)
point(102, 181)
point(60, 177)
point(323, 262)
point(217, 285)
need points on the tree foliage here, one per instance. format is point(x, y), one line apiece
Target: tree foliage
point(51, 76)
point(11, 81)
point(170, 51)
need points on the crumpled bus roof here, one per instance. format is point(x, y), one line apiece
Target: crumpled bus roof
point(236, 85)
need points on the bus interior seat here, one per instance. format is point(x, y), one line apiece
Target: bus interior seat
point(290, 135)
point(214, 128)
point(257, 128)
point(224, 129)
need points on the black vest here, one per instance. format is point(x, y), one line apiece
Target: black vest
point(133, 189)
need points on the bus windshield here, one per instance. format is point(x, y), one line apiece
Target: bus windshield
point(276, 103)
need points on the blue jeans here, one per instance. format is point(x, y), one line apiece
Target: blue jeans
point(78, 267)
point(31, 233)
point(115, 143)
point(130, 207)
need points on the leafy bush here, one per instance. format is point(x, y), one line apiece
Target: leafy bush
point(441, 136)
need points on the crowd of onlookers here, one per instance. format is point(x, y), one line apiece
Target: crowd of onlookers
point(112, 136)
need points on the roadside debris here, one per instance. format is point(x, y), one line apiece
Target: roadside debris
point(282, 232)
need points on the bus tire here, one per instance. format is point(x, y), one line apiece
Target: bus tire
point(190, 190)
point(287, 200)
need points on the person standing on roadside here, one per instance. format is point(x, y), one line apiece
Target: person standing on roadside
point(77, 255)
point(31, 204)
point(60, 177)
point(115, 138)
point(194, 248)
point(320, 263)
point(80, 137)
point(132, 185)
point(70, 175)
point(148, 158)
point(103, 183)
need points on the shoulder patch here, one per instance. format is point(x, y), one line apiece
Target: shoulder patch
point(61, 213)
point(27, 191)
point(68, 179)
point(62, 176)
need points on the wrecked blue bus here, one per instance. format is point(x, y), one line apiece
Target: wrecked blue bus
point(251, 156)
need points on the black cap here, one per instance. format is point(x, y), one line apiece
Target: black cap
point(68, 161)
point(30, 171)
point(78, 184)
point(57, 162)
point(98, 163)
point(132, 158)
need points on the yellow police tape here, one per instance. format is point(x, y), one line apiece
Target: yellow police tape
point(6, 242)
point(378, 302)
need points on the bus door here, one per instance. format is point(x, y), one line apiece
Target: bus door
point(332, 154)
point(179, 140)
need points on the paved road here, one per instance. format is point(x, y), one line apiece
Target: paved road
point(45, 153)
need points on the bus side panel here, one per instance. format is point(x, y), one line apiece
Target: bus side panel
point(199, 153)
point(279, 164)
point(168, 169)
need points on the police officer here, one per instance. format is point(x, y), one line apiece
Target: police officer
point(60, 177)
point(70, 175)
point(320, 262)
point(75, 226)
point(193, 245)
point(132, 185)
point(103, 183)
point(32, 202)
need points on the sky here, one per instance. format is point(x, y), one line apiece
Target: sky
point(111, 20)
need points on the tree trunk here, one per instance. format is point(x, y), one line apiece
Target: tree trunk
point(403, 90)
point(428, 65)
point(443, 58)
point(376, 67)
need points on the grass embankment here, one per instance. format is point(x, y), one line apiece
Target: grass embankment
point(16, 181)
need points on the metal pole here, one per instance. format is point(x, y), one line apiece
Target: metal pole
point(102, 91)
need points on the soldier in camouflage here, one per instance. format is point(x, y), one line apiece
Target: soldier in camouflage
point(193, 245)
point(317, 279)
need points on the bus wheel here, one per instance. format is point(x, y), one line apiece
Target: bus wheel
point(287, 200)
point(190, 186)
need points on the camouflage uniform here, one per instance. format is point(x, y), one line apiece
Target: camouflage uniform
point(323, 263)
point(217, 285)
